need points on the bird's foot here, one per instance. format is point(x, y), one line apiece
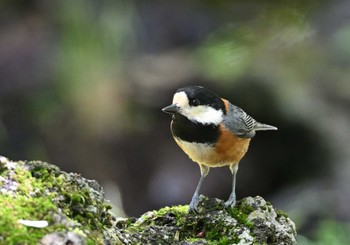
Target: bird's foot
point(231, 202)
point(193, 205)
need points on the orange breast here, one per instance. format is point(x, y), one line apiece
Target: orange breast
point(230, 149)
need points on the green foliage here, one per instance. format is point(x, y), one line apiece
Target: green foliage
point(329, 232)
point(224, 58)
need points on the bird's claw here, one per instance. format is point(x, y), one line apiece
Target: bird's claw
point(231, 202)
point(193, 205)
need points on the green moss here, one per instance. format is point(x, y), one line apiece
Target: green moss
point(211, 239)
point(213, 233)
point(240, 213)
point(21, 207)
point(224, 241)
point(281, 213)
point(193, 240)
point(29, 202)
point(40, 191)
point(179, 210)
point(194, 227)
point(212, 224)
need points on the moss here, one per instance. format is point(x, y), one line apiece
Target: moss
point(281, 213)
point(249, 222)
point(72, 204)
point(27, 201)
point(213, 224)
point(215, 234)
point(221, 241)
point(40, 191)
point(179, 210)
point(224, 241)
point(194, 240)
point(151, 217)
point(241, 212)
point(27, 208)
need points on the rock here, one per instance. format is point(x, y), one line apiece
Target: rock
point(74, 211)
point(73, 206)
point(251, 221)
point(59, 238)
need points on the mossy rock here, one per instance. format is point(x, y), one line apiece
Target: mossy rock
point(73, 207)
point(40, 204)
point(252, 221)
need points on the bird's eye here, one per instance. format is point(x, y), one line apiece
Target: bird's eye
point(195, 102)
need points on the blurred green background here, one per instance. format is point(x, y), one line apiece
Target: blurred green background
point(82, 84)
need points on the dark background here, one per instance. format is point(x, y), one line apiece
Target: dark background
point(82, 84)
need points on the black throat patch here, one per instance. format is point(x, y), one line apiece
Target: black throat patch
point(194, 132)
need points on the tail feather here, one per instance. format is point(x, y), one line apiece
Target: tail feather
point(260, 127)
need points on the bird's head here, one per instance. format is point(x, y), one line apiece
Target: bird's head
point(198, 104)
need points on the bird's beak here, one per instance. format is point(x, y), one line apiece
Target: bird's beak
point(171, 109)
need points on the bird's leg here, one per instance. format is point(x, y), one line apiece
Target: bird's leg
point(195, 197)
point(232, 199)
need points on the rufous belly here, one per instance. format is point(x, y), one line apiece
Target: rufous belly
point(229, 150)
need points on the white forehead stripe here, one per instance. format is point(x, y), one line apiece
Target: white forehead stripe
point(180, 99)
point(202, 114)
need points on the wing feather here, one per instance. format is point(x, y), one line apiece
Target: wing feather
point(243, 125)
point(239, 122)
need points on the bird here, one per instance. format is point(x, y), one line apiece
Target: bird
point(212, 132)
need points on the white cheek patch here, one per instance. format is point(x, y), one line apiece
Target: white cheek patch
point(204, 114)
point(201, 114)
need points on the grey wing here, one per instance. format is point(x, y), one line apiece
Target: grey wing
point(239, 122)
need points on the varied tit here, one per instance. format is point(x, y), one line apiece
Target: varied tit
point(212, 132)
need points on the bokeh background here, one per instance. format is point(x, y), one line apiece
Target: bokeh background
point(82, 84)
